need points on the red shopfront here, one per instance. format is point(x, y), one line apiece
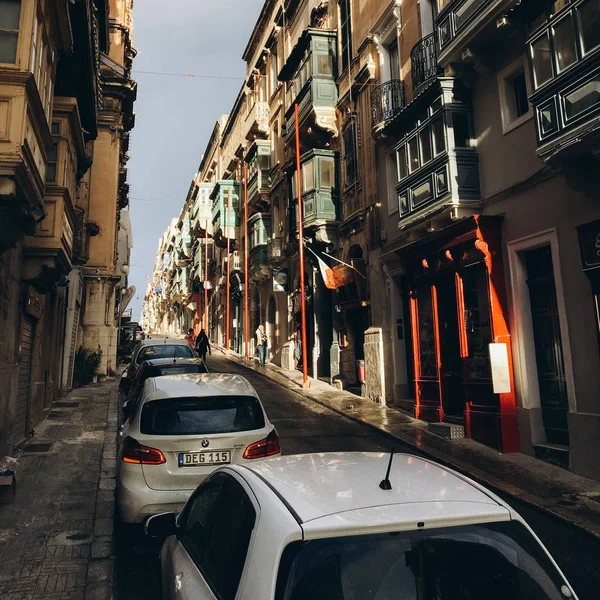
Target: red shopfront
point(458, 308)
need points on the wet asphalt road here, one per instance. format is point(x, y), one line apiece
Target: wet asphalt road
point(305, 426)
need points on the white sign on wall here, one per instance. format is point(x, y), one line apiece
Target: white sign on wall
point(500, 368)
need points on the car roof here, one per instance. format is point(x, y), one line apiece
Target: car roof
point(163, 342)
point(197, 385)
point(344, 487)
point(161, 362)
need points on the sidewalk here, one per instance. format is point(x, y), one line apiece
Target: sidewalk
point(56, 533)
point(558, 492)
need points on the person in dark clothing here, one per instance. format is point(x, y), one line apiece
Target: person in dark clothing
point(203, 345)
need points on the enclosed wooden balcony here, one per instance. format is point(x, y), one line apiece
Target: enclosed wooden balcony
point(464, 26)
point(310, 73)
point(564, 45)
point(259, 174)
point(320, 194)
point(438, 172)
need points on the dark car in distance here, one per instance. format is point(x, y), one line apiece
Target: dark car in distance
point(158, 367)
point(173, 349)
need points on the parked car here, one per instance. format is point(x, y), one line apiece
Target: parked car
point(159, 367)
point(149, 349)
point(180, 429)
point(334, 526)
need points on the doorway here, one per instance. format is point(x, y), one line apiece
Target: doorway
point(24, 377)
point(453, 399)
point(548, 344)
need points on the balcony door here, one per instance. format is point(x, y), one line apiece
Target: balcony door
point(394, 60)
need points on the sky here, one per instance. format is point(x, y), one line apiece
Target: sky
point(175, 115)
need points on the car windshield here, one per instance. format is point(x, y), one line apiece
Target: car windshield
point(164, 351)
point(200, 416)
point(176, 369)
point(497, 561)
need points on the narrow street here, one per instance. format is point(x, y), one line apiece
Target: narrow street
point(305, 426)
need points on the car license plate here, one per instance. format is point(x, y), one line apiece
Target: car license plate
point(194, 459)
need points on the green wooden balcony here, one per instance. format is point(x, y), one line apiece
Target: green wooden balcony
point(311, 73)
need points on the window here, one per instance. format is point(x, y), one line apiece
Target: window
point(402, 166)
point(439, 136)
point(513, 90)
point(495, 561)
point(325, 64)
point(201, 416)
point(460, 126)
point(275, 144)
point(564, 42)
point(10, 14)
point(350, 153)
point(273, 69)
point(51, 166)
point(413, 154)
point(327, 173)
point(346, 30)
point(217, 528)
point(569, 31)
point(308, 176)
point(164, 350)
point(425, 143)
point(542, 60)
point(589, 20)
point(35, 44)
point(394, 55)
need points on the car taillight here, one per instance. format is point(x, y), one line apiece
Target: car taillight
point(267, 447)
point(134, 452)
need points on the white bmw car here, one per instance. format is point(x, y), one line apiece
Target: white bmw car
point(336, 526)
point(179, 429)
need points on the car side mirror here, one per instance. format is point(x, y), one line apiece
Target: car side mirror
point(161, 526)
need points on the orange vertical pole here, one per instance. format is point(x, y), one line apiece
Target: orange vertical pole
point(227, 292)
point(246, 316)
point(305, 383)
point(206, 278)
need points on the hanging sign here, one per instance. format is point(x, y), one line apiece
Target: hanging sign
point(280, 280)
point(589, 244)
point(500, 368)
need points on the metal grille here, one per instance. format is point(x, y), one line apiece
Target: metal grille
point(423, 58)
point(387, 100)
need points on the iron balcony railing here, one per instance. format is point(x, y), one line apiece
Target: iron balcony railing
point(387, 101)
point(423, 59)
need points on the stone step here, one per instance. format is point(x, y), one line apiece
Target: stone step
point(449, 431)
point(554, 454)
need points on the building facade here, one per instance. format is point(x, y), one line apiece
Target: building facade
point(448, 156)
point(51, 96)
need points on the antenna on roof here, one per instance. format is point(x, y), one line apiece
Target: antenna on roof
point(385, 483)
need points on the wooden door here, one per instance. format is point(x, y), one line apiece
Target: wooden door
point(548, 345)
point(24, 378)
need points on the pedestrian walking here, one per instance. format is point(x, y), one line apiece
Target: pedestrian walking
point(203, 345)
point(298, 349)
point(261, 344)
point(190, 338)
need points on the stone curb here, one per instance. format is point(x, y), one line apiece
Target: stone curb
point(496, 485)
point(101, 568)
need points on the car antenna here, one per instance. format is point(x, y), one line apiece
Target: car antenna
point(385, 483)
